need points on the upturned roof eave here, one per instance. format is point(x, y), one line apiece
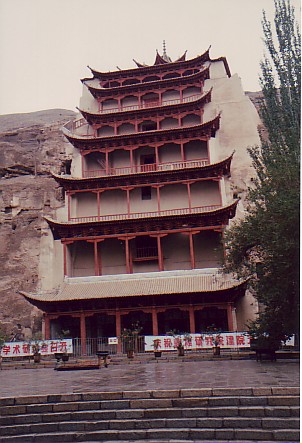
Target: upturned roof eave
point(96, 115)
point(61, 179)
point(230, 207)
point(116, 74)
point(100, 91)
point(145, 134)
point(142, 287)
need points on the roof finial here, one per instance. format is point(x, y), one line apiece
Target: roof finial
point(164, 48)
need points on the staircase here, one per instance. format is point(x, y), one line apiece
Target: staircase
point(218, 414)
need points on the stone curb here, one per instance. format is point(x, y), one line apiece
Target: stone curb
point(152, 394)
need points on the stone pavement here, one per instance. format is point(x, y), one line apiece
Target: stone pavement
point(151, 376)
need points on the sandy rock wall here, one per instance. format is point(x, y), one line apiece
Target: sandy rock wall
point(31, 145)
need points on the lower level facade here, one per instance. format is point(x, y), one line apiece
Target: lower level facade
point(189, 301)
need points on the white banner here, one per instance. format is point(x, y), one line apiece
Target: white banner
point(46, 347)
point(227, 340)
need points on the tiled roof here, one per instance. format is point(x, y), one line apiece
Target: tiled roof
point(173, 282)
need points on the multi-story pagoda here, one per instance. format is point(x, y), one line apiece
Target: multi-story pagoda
point(148, 198)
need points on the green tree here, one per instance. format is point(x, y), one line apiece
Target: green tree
point(264, 246)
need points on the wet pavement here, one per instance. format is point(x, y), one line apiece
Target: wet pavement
point(151, 376)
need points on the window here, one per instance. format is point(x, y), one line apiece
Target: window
point(146, 193)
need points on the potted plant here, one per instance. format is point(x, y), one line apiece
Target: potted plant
point(130, 338)
point(216, 342)
point(180, 348)
point(180, 341)
point(156, 346)
point(36, 352)
point(215, 334)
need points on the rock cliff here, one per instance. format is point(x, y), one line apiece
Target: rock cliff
point(32, 145)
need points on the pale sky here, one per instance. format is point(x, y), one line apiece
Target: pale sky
point(46, 45)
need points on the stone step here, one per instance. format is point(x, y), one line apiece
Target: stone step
point(138, 403)
point(175, 393)
point(263, 414)
point(159, 434)
point(192, 423)
point(228, 411)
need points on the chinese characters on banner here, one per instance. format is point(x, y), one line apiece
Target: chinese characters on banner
point(46, 347)
point(227, 340)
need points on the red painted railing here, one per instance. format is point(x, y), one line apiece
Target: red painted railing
point(150, 104)
point(138, 215)
point(148, 168)
point(74, 125)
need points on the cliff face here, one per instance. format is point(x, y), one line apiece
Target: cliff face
point(32, 145)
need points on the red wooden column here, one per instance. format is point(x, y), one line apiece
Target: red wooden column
point(192, 252)
point(98, 195)
point(47, 327)
point(160, 255)
point(82, 164)
point(65, 257)
point(192, 320)
point(181, 95)
point(83, 333)
point(68, 193)
point(230, 317)
point(131, 159)
point(127, 189)
point(154, 321)
point(189, 195)
point(182, 152)
point(118, 330)
point(157, 187)
point(159, 250)
point(128, 253)
point(97, 256)
point(156, 157)
point(220, 191)
point(107, 161)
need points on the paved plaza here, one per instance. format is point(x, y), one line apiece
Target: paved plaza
point(159, 375)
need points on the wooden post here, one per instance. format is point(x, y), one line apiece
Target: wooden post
point(83, 333)
point(192, 252)
point(192, 320)
point(118, 330)
point(99, 203)
point(154, 321)
point(68, 204)
point(65, 258)
point(182, 152)
point(230, 317)
point(47, 327)
point(107, 161)
point(160, 255)
point(189, 195)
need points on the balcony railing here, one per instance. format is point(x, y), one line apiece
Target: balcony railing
point(74, 125)
point(146, 253)
point(151, 104)
point(138, 215)
point(153, 167)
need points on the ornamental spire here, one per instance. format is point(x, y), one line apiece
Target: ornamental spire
point(165, 57)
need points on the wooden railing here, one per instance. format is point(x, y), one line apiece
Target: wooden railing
point(169, 166)
point(138, 215)
point(74, 125)
point(150, 104)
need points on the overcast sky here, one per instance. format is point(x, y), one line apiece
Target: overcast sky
point(46, 45)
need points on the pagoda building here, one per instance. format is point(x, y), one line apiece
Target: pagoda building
point(159, 167)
